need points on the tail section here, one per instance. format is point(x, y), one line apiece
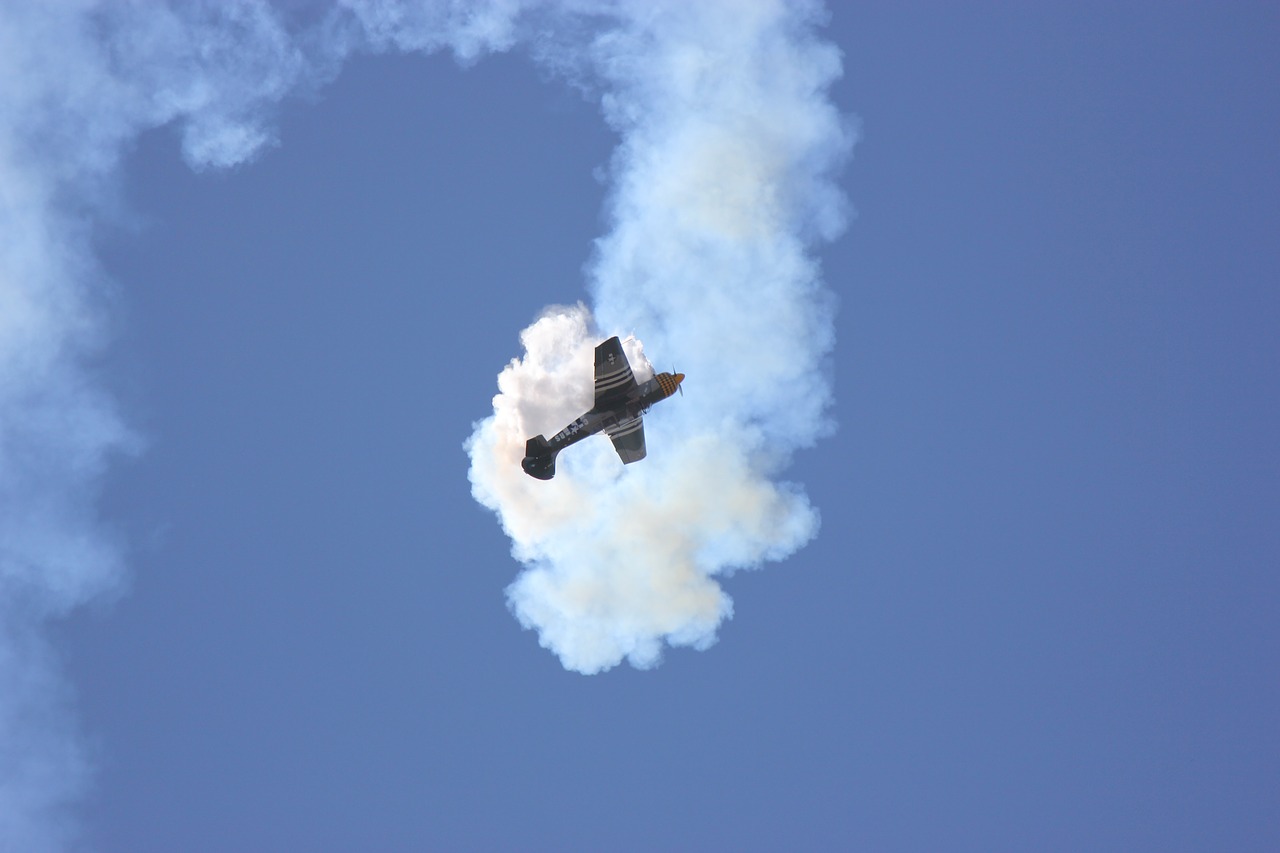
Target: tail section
point(539, 459)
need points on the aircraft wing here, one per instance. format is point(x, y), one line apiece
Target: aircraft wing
point(628, 439)
point(613, 374)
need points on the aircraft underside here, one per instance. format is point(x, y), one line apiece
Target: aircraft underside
point(620, 403)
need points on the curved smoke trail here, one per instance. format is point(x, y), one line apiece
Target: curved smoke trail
point(722, 179)
point(721, 182)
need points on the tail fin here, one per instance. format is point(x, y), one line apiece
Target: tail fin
point(539, 459)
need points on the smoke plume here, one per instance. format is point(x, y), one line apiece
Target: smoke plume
point(722, 180)
point(720, 186)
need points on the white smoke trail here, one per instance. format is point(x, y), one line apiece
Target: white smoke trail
point(78, 82)
point(723, 176)
point(721, 182)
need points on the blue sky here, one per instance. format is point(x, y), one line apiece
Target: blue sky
point(1040, 612)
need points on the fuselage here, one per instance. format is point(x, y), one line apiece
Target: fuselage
point(609, 412)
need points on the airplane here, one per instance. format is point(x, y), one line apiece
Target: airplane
point(620, 404)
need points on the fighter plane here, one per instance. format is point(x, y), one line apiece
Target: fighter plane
point(620, 403)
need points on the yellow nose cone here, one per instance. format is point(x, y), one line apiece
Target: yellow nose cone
point(679, 377)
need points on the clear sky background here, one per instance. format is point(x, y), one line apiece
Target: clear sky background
point(1041, 612)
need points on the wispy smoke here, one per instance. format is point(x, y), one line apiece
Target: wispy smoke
point(721, 182)
point(722, 179)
